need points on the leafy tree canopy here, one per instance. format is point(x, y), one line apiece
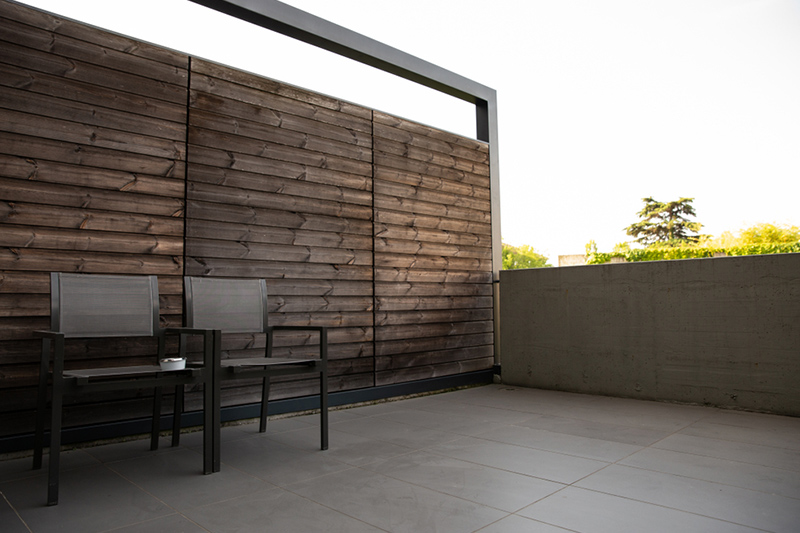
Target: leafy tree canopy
point(524, 256)
point(665, 223)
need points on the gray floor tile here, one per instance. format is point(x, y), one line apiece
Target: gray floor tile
point(519, 524)
point(177, 479)
point(10, 520)
point(527, 461)
point(348, 448)
point(745, 475)
point(274, 510)
point(785, 438)
point(481, 414)
point(277, 463)
point(23, 467)
point(590, 448)
point(448, 422)
point(90, 499)
point(733, 504)
point(638, 436)
point(395, 505)
point(121, 451)
point(735, 451)
point(503, 490)
point(587, 511)
point(174, 523)
point(414, 437)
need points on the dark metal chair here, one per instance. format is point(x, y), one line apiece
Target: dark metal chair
point(114, 307)
point(240, 306)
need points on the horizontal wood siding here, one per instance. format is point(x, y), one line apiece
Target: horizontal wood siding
point(433, 273)
point(92, 163)
point(117, 156)
point(280, 187)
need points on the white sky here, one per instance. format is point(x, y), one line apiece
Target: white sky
point(601, 102)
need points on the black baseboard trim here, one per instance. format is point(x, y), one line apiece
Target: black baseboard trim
point(127, 428)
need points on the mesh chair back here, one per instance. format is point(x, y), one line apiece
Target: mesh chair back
point(231, 305)
point(89, 305)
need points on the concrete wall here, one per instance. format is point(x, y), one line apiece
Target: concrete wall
point(721, 331)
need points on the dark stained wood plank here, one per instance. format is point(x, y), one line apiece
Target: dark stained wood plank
point(33, 82)
point(415, 166)
point(201, 266)
point(88, 262)
point(432, 183)
point(432, 350)
point(77, 218)
point(15, 190)
point(406, 205)
point(24, 168)
point(113, 41)
point(402, 275)
point(417, 248)
point(278, 127)
point(424, 329)
point(87, 115)
point(72, 132)
point(416, 220)
point(421, 138)
point(389, 289)
point(237, 144)
point(431, 316)
point(226, 160)
point(415, 373)
point(94, 241)
point(90, 52)
point(423, 194)
point(41, 61)
point(24, 282)
point(273, 217)
point(411, 303)
point(231, 231)
point(387, 231)
point(91, 156)
point(276, 253)
point(384, 260)
point(229, 195)
point(385, 146)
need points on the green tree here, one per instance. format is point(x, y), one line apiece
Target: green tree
point(665, 223)
point(524, 256)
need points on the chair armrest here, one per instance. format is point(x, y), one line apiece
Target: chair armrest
point(187, 331)
point(48, 334)
point(299, 328)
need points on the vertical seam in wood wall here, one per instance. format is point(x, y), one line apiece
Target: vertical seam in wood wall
point(374, 268)
point(186, 166)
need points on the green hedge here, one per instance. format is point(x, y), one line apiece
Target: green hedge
point(692, 252)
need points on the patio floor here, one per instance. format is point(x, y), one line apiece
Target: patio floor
point(489, 459)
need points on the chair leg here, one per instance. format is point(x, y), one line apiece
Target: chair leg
point(323, 387)
point(156, 423)
point(262, 427)
point(323, 408)
point(55, 424)
point(177, 411)
point(41, 405)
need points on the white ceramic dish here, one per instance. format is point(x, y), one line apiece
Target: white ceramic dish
point(173, 363)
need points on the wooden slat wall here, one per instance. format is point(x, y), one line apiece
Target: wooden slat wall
point(121, 157)
point(280, 187)
point(92, 162)
point(433, 273)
